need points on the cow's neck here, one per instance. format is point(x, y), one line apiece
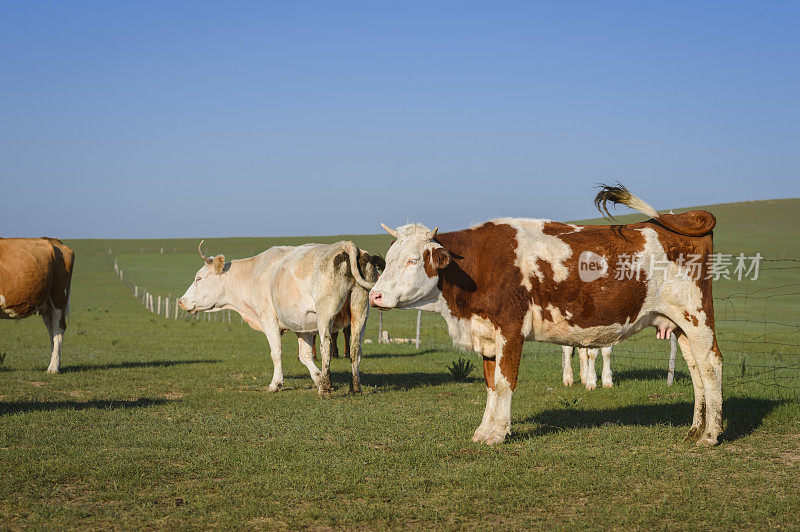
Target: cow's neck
point(239, 293)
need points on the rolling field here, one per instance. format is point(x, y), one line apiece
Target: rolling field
point(167, 424)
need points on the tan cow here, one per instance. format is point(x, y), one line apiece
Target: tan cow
point(310, 289)
point(35, 276)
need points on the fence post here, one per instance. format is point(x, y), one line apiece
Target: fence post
point(159, 306)
point(166, 308)
point(673, 350)
point(176, 308)
point(419, 320)
point(380, 325)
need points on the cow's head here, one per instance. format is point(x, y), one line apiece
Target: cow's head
point(412, 269)
point(207, 292)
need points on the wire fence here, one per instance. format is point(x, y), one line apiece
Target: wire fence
point(757, 325)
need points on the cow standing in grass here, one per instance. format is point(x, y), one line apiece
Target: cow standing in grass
point(520, 280)
point(35, 276)
point(310, 289)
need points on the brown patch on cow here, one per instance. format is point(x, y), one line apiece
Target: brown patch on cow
point(715, 348)
point(509, 362)
point(605, 300)
point(556, 228)
point(693, 319)
point(488, 372)
point(692, 223)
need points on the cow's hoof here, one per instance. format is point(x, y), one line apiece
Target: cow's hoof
point(325, 393)
point(591, 386)
point(692, 435)
point(356, 389)
point(608, 385)
point(707, 441)
point(568, 382)
point(495, 438)
point(274, 387)
point(479, 435)
point(51, 369)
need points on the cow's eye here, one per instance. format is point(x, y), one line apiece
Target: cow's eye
point(411, 261)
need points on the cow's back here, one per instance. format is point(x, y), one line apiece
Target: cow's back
point(28, 270)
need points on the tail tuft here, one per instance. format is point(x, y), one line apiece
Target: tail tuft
point(618, 194)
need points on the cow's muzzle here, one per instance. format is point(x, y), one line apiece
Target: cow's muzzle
point(376, 300)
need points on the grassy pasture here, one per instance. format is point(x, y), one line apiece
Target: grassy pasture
point(162, 423)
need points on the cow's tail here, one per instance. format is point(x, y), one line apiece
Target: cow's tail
point(352, 253)
point(692, 223)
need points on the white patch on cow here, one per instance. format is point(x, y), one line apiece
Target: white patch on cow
point(7, 312)
point(532, 245)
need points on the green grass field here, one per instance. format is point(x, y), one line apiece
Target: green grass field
point(167, 424)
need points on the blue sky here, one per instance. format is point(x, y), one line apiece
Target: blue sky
point(151, 119)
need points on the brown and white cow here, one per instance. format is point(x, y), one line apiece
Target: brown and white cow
point(518, 280)
point(310, 289)
point(35, 276)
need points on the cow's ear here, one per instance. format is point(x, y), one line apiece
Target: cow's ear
point(218, 264)
point(440, 258)
point(436, 259)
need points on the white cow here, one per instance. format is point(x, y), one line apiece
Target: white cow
point(310, 289)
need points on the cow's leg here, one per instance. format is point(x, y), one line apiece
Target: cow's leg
point(708, 358)
point(346, 334)
point(335, 344)
point(509, 351)
point(305, 349)
point(699, 417)
point(582, 357)
point(491, 401)
point(591, 371)
point(325, 325)
point(607, 375)
point(48, 317)
point(354, 334)
point(273, 334)
point(566, 365)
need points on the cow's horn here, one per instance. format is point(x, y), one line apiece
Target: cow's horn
point(389, 230)
point(433, 233)
point(200, 251)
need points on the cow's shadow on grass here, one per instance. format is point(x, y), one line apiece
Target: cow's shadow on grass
point(742, 416)
point(407, 354)
point(129, 365)
point(648, 375)
point(397, 381)
point(16, 407)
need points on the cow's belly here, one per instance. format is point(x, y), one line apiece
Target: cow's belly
point(562, 333)
point(297, 316)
